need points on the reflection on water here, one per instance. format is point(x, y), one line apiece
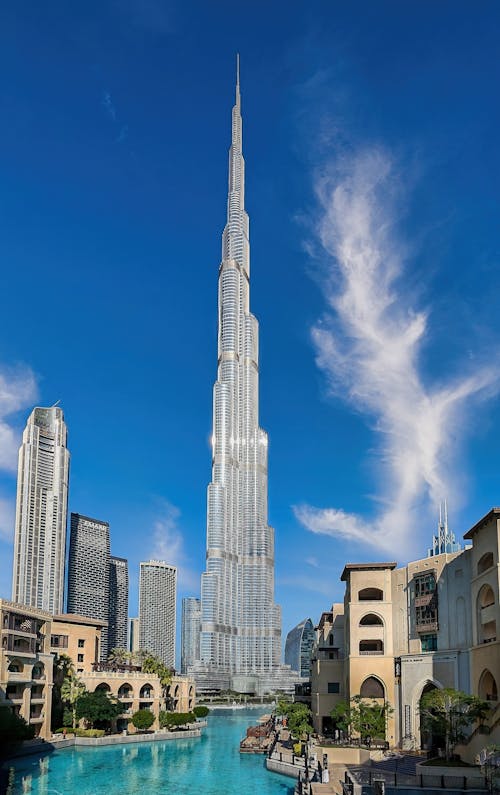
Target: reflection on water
point(210, 765)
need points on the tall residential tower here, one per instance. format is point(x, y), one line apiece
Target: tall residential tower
point(190, 632)
point(41, 512)
point(157, 602)
point(118, 603)
point(241, 624)
point(88, 572)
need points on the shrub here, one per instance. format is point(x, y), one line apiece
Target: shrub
point(201, 712)
point(143, 719)
point(169, 720)
point(13, 728)
point(80, 732)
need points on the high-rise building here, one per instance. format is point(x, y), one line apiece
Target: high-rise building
point(41, 512)
point(118, 603)
point(298, 647)
point(133, 634)
point(157, 604)
point(190, 632)
point(241, 624)
point(88, 572)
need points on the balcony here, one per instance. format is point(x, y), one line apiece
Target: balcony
point(24, 646)
point(375, 651)
point(427, 627)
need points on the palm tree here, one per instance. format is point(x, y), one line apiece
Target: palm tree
point(119, 656)
point(63, 667)
point(71, 690)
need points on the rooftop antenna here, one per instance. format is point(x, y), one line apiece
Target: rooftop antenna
point(55, 404)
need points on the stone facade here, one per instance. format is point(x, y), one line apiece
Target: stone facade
point(26, 664)
point(79, 637)
point(137, 690)
point(402, 632)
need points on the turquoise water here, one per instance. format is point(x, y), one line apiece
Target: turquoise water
point(209, 765)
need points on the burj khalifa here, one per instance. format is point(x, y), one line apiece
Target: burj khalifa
point(240, 645)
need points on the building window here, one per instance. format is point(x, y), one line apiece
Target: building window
point(371, 595)
point(425, 584)
point(334, 687)
point(81, 643)
point(426, 615)
point(429, 642)
point(80, 658)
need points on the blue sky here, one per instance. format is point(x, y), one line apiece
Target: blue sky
point(371, 144)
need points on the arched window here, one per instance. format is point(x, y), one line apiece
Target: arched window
point(372, 688)
point(486, 597)
point(486, 621)
point(16, 667)
point(371, 647)
point(104, 687)
point(125, 691)
point(487, 686)
point(146, 691)
point(485, 562)
point(371, 620)
point(37, 671)
point(371, 595)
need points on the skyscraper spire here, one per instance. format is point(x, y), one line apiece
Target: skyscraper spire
point(445, 540)
point(240, 623)
point(237, 78)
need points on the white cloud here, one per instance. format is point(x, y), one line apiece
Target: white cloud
point(368, 346)
point(108, 106)
point(17, 390)
point(168, 545)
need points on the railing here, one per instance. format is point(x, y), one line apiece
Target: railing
point(374, 651)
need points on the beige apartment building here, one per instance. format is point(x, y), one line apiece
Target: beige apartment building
point(78, 637)
point(404, 631)
point(26, 664)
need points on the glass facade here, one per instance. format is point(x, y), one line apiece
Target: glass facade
point(41, 512)
point(298, 647)
point(240, 623)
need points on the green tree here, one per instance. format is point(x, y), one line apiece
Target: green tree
point(153, 665)
point(282, 706)
point(119, 656)
point(299, 720)
point(298, 717)
point(342, 717)
point(450, 712)
point(63, 667)
point(201, 711)
point(363, 718)
point(369, 718)
point(98, 707)
point(169, 720)
point(71, 690)
point(13, 729)
point(143, 719)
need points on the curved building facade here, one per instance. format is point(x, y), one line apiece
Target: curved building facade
point(298, 647)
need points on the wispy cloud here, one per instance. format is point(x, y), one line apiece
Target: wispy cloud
point(312, 562)
point(18, 390)
point(108, 106)
point(167, 544)
point(368, 345)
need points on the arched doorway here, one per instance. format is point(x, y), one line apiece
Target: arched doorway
point(487, 689)
point(431, 736)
